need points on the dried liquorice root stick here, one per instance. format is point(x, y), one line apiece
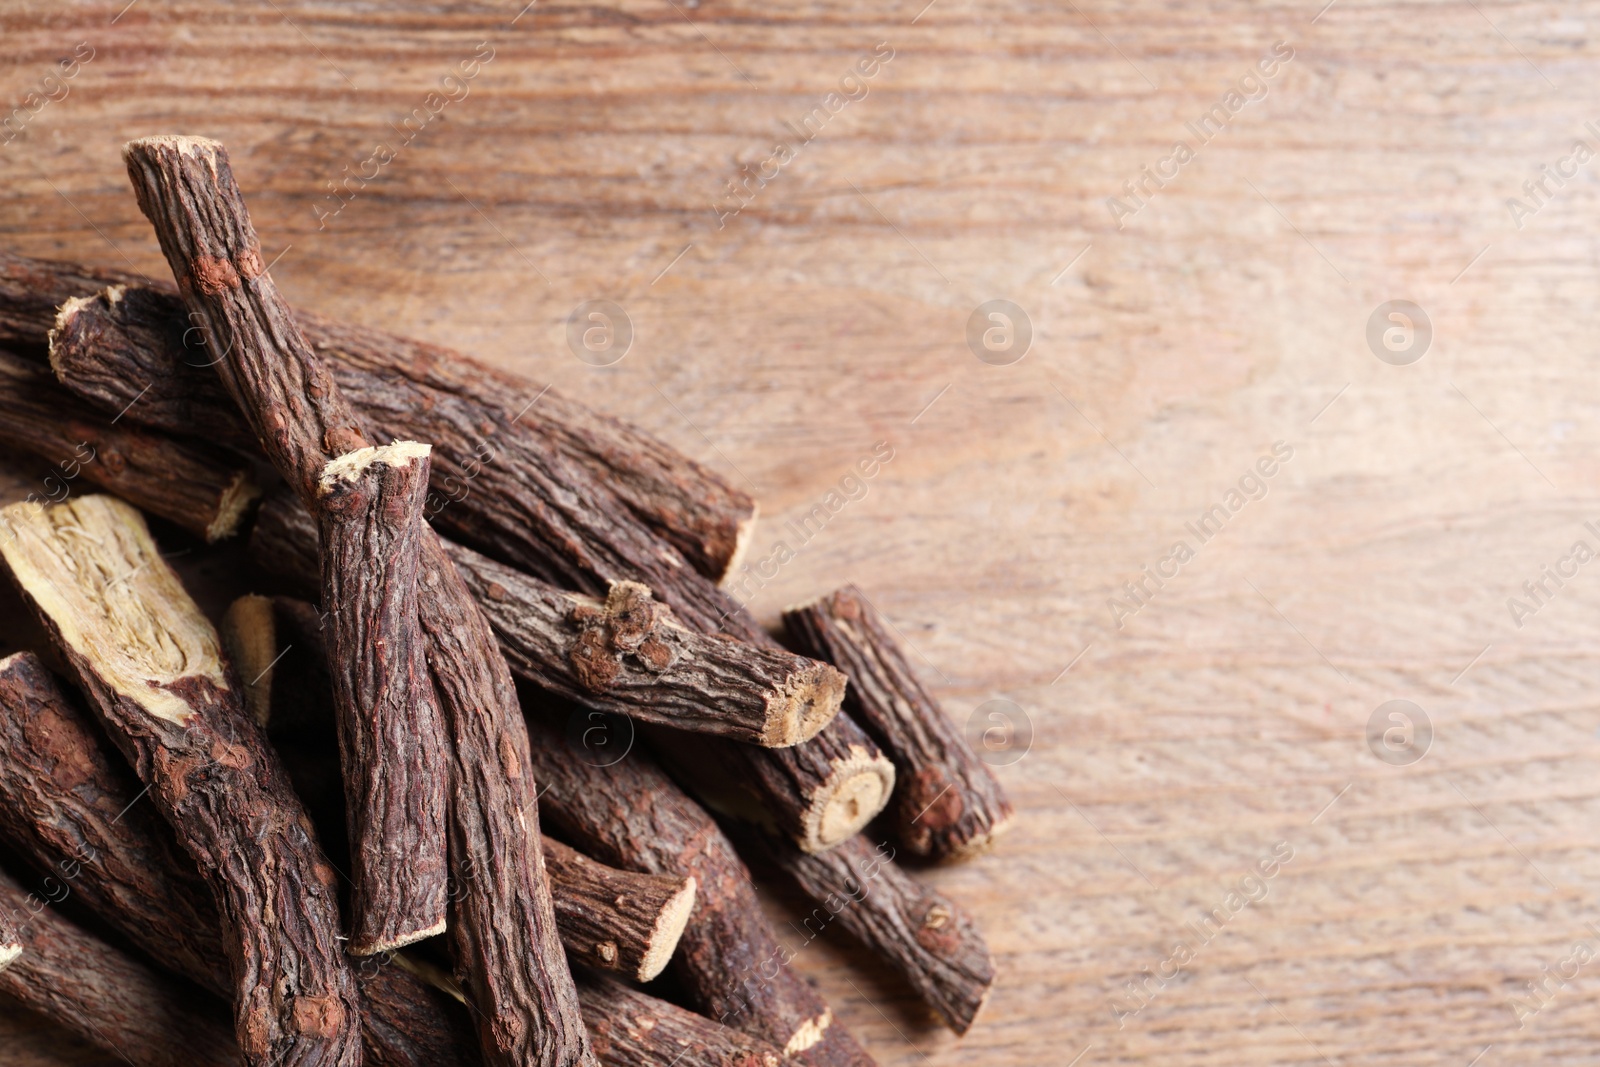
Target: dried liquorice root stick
point(32, 289)
point(67, 806)
point(615, 920)
point(923, 935)
point(396, 776)
point(948, 804)
point(501, 484)
point(818, 793)
point(633, 1029)
point(629, 814)
point(154, 673)
point(134, 350)
point(104, 996)
point(137, 334)
point(610, 919)
point(72, 807)
point(182, 482)
point(504, 922)
point(628, 655)
point(821, 795)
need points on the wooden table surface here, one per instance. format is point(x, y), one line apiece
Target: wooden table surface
point(1181, 733)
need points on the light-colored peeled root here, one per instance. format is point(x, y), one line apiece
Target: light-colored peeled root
point(809, 1033)
point(249, 631)
point(350, 466)
point(232, 506)
point(667, 932)
point(8, 955)
point(741, 545)
point(856, 791)
point(807, 700)
point(92, 567)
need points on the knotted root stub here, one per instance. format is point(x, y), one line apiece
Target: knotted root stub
point(631, 623)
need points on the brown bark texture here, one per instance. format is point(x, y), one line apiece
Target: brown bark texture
point(514, 496)
point(920, 933)
point(628, 655)
point(629, 814)
point(610, 919)
point(615, 920)
point(634, 1029)
point(947, 804)
point(503, 482)
point(186, 483)
point(391, 734)
point(153, 670)
point(70, 806)
point(105, 996)
point(32, 290)
point(817, 793)
point(109, 338)
point(73, 809)
point(504, 923)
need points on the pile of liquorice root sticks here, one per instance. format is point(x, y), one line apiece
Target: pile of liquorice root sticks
point(330, 811)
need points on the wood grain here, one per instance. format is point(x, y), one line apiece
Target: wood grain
point(831, 312)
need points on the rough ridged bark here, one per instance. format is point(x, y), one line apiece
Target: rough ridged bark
point(948, 804)
point(629, 656)
point(391, 735)
point(921, 934)
point(817, 793)
point(503, 481)
point(521, 499)
point(153, 670)
point(68, 805)
point(137, 333)
point(610, 919)
point(106, 997)
point(184, 483)
point(615, 920)
point(629, 814)
point(71, 807)
point(504, 923)
point(31, 291)
point(632, 1029)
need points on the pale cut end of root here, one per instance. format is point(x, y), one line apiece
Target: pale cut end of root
point(396, 941)
point(352, 465)
point(8, 955)
point(249, 631)
point(978, 844)
point(668, 930)
point(741, 545)
point(198, 147)
point(807, 701)
point(859, 789)
point(232, 507)
point(809, 1033)
point(64, 313)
